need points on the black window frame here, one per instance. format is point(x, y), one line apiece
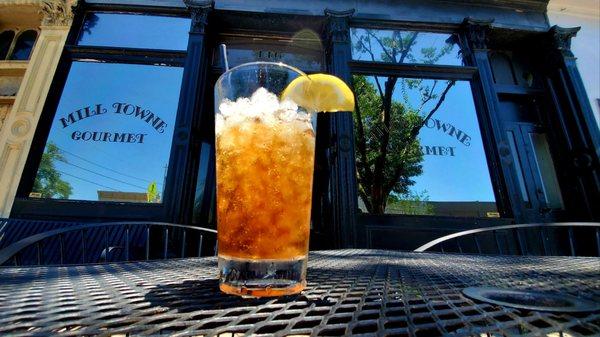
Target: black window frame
point(465, 72)
point(46, 208)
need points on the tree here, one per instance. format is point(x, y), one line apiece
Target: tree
point(388, 151)
point(411, 203)
point(48, 181)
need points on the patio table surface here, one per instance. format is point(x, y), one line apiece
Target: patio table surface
point(368, 292)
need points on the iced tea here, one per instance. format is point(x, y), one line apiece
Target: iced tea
point(264, 169)
point(264, 156)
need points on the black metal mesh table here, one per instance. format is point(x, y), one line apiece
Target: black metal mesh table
point(369, 292)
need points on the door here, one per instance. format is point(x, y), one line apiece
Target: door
point(533, 165)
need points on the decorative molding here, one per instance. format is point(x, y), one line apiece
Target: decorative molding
point(339, 29)
point(560, 38)
point(7, 3)
point(57, 12)
point(528, 5)
point(199, 10)
point(477, 32)
point(556, 46)
point(4, 111)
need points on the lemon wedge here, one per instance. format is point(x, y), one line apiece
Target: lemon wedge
point(320, 92)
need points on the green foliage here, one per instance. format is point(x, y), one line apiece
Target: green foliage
point(388, 151)
point(48, 181)
point(410, 203)
point(402, 156)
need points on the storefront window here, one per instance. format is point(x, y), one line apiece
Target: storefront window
point(419, 149)
point(401, 46)
point(135, 31)
point(111, 135)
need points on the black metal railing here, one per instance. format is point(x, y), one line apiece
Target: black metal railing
point(108, 242)
point(545, 239)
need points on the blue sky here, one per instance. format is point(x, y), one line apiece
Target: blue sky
point(129, 167)
point(423, 40)
point(137, 31)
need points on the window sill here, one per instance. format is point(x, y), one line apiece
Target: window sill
point(7, 99)
point(13, 68)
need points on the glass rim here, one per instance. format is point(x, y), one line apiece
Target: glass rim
point(248, 64)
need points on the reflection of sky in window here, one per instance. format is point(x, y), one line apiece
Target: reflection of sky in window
point(116, 166)
point(135, 31)
point(465, 176)
point(423, 41)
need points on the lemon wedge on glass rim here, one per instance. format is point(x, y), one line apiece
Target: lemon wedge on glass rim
point(320, 92)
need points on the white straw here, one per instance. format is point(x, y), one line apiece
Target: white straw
point(224, 53)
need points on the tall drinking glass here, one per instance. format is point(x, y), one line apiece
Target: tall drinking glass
point(265, 157)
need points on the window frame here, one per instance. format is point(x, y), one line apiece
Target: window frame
point(463, 72)
point(16, 39)
point(17, 33)
point(24, 206)
point(11, 45)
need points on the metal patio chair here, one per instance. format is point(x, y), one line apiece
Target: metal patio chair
point(109, 242)
point(543, 239)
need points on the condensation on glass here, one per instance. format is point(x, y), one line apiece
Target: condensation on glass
point(134, 31)
point(545, 169)
point(303, 51)
point(422, 152)
point(111, 135)
point(404, 46)
point(6, 39)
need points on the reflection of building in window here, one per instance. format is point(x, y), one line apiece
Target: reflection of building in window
point(122, 196)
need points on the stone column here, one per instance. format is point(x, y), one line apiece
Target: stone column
point(20, 125)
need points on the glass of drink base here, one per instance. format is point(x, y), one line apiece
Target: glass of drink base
point(265, 161)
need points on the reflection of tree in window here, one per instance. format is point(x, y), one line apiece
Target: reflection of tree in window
point(388, 151)
point(90, 22)
point(48, 181)
point(24, 45)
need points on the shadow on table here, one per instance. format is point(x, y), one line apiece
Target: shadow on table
point(194, 295)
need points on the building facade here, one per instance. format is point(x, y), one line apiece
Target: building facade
point(469, 113)
point(584, 14)
point(33, 37)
